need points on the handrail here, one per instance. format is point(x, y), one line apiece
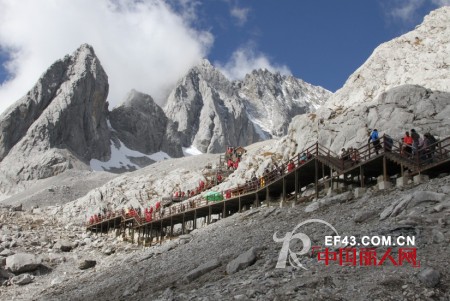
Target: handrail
point(434, 153)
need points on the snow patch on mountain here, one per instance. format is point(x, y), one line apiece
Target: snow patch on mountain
point(120, 158)
point(191, 151)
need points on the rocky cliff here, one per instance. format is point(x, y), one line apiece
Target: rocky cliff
point(419, 57)
point(211, 112)
point(143, 126)
point(59, 124)
point(404, 84)
point(272, 99)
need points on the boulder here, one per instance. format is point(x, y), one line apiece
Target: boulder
point(22, 279)
point(429, 277)
point(63, 245)
point(22, 262)
point(242, 261)
point(6, 253)
point(201, 270)
point(86, 264)
point(5, 274)
point(108, 251)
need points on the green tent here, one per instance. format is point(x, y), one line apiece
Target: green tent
point(213, 196)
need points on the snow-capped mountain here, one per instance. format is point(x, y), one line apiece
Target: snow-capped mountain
point(272, 99)
point(64, 122)
point(212, 112)
point(59, 124)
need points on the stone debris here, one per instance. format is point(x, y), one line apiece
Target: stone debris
point(22, 262)
point(22, 279)
point(201, 270)
point(242, 261)
point(86, 264)
point(429, 276)
point(63, 245)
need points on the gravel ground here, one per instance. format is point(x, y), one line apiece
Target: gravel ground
point(158, 272)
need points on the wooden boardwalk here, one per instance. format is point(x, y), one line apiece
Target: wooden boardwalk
point(321, 169)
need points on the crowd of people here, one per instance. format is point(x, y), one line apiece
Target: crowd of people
point(233, 156)
point(270, 174)
point(412, 146)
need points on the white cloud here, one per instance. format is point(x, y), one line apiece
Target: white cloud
point(143, 45)
point(406, 10)
point(441, 2)
point(245, 60)
point(240, 14)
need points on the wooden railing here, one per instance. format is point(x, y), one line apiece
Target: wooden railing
point(434, 154)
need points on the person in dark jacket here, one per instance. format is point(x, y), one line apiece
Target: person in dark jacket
point(416, 140)
point(373, 136)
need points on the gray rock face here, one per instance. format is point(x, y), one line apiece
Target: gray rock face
point(60, 124)
point(22, 262)
point(22, 279)
point(429, 276)
point(86, 264)
point(211, 112)
point(394, 112)
point(242, 261)
point(272, 100)
point(63, 245)
point(143, 126)
point(201, 270)
point(403, 85)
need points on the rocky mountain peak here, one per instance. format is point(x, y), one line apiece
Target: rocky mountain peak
point(59, 124)
point(419, 57)
point(264, 102)
point(404, 84)
point(143, 126)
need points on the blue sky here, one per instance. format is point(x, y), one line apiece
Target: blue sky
point(148, 45)
point(321, 41)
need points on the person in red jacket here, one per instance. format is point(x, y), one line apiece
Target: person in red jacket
point(407, 144)
point(291, 166)
point(236, 164)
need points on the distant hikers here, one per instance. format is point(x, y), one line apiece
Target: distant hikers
point(373, 136)
point(291, 166)
point(416, 141)
point(407, 142)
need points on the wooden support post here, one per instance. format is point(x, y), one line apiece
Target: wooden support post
point(361, 173)
point(267, 196)
point(183, 225)
point(296, 186)
point(331, 179)
point(139, 236)
point(384, 169)
point(171, 227)
point(284, 188)
point(345, 179)
point(256, 200)
point(151, 234)
point(209, 214)
point(316, 172)
point(239, 204)
point(161, 232)
point(194, 223)
point(224, 211)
